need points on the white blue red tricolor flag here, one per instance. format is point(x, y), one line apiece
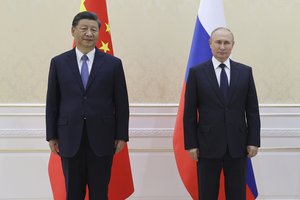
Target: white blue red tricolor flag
point(210, 16)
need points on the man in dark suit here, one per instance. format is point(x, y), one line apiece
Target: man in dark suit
point(87, 111)
point(221, 119)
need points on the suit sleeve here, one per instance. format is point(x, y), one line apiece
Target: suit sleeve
point(190, 112)
point(52, 103)
point(252, 114)
point(121, 104)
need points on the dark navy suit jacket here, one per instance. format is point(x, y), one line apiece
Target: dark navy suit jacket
point(221, 124)
point(103, 105)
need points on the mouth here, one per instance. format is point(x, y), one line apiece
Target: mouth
point(88, 40)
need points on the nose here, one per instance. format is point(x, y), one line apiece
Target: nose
point(88, 33)
point(222, 46)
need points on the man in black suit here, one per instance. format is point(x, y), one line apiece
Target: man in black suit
point(221, 119)
point(87, 111)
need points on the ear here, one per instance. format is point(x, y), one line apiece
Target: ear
point(72, 31)
point(210, 43)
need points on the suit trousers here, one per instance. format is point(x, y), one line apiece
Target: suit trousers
point(87, 169)
point(234, 170)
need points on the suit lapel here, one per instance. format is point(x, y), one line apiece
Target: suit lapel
point(234, 78)
point(211, 74)
point(97, 63)
point(74, 67)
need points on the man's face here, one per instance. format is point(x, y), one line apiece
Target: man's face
point(221, 44)
point(86, 34)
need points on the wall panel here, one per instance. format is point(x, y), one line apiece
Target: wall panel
point(24, 153)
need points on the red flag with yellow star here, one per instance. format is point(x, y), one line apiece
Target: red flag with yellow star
point(121, 183)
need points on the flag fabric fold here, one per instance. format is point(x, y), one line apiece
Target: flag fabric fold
point(121, 182)
point(210, 16)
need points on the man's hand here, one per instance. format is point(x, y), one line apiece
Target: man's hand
point(54, 146)
point(119, 145)
point(194, 154)
point(252, 151)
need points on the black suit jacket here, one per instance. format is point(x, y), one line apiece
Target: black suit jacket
point(103, 105)
point(234, 123)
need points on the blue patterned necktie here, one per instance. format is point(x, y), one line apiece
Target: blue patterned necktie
point(224, 81)
point(84, 70)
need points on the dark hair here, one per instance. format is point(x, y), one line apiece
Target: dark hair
point(85, 15)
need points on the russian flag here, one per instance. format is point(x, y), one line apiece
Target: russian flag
point(210, 16)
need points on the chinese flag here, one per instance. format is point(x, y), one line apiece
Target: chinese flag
point(121, 183)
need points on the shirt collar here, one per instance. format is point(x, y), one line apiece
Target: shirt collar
point(216, 63)
point(90, 54)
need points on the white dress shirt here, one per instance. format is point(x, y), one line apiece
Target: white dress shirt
point(90, 55)
point(218, 69)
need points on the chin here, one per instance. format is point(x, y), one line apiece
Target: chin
point(90, 46)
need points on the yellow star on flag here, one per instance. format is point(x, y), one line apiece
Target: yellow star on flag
point(107, 28)
point(104, 47)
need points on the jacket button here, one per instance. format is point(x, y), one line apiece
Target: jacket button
point(85, 98)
